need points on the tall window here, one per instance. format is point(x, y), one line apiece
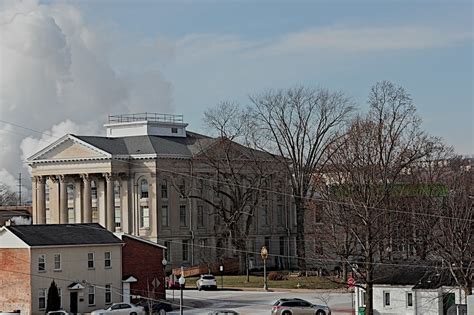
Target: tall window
point(185, 250)
point(182, 215)
point(42, 263)
point(46, 192)
point(108, 293)
point(90, 260)
point(95, 215)
point(386, 298)
point(70, 192)
point(91, 295)
point(70, 215)
point(409, 299)
point(93, 190)
point(182, 189)
point(41, 299)
point(164, 189)
point(280, 215)
point(200, 215)
point(107, 260)
point(144, 217)
point(265, 215)
point(116, 190)
point(267, 242)
point(279, 195)
point(282, 245)
point(165, 217)
point(57, 261)
point(143, 189)
point(118, 217)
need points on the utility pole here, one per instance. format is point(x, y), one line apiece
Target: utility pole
point(19, 189)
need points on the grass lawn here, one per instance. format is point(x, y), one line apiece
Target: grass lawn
point(312, 282)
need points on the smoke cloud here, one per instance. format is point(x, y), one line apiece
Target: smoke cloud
point(57, 76)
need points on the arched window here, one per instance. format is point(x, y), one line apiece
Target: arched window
point(143, 188)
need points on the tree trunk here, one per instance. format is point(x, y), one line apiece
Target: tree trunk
point(300, 236)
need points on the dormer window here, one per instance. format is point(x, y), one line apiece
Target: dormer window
point(174, 130)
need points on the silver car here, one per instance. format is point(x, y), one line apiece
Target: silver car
point(297, 306)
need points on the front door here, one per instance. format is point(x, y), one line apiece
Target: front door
point(73, 302)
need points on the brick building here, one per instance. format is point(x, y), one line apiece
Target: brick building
point(142, 262)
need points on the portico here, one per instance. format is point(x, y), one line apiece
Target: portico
point(59, 200)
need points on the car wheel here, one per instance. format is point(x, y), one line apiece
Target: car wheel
point(286, 313)
point(320, 312)
point(133, 313)
point(162, 312)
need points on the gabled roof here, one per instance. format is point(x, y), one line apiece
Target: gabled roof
point(139, 239)
point(64, 234)
point(420, 277)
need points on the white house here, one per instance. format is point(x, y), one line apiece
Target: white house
point(411, 290)
point(84, 260)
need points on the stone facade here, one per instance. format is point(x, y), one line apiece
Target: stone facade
point(119, 182)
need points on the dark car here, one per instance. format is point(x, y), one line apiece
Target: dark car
point(298, 306)
point(160, 308)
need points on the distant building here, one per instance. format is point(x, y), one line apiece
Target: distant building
point(15, 214)
point(130, 181)
point(85, 261)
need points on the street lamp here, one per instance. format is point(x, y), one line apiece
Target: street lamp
point(181, 285)
point(264, 254)
point(164, 262)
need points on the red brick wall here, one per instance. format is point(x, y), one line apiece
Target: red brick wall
point(15, 284)
point(143, 261)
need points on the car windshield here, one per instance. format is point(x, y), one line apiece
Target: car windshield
point(208, 277)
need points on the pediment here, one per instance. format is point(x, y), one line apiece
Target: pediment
point(69, 148)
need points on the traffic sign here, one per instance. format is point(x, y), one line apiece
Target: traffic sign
point(350, 282)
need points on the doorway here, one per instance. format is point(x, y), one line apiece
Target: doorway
point(73, 302)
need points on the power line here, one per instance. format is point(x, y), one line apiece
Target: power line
point(269, 190)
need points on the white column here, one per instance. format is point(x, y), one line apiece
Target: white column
point(86, 199)
point(63, 208)
point(78, 214)
point(126, 204)
point(40, 201)
point(110, 203)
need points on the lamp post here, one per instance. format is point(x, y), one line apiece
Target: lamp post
point(182, 281)
point(221, 269)
point(264, 254)
point(164, 262)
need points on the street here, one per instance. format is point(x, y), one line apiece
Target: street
point(253, 302)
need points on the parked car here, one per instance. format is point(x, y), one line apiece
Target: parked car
point(160, 308)
point(58, 312)
point(206, 282)
point(223, 312)
point(174, 285)
point(121, 309)
point(298, 306)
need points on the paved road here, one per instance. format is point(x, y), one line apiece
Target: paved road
point(254, 302)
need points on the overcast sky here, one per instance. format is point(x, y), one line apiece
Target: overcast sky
point(64, 66)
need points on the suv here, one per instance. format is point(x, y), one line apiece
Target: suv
point(206, 282)
point(298, 306)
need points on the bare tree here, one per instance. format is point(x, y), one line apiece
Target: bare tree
point(7, 197)
point(454, 241)
point(233, 175)
point(300, 124)
point(366, 171)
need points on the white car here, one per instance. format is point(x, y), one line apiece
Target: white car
point(121, 309)
point(206, 282)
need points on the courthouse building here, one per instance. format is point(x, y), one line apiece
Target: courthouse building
point(131, 181)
